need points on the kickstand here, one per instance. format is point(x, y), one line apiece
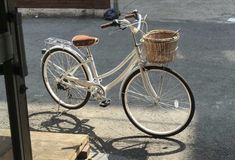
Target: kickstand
point(59, 113)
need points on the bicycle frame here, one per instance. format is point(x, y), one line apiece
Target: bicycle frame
point(134, 59)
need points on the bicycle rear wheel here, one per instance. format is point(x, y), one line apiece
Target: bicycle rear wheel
point(170, 113)
point(55, 64)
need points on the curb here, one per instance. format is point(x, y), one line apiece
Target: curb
point(42, 12)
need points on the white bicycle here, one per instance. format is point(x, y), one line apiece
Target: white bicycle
point(156, 99)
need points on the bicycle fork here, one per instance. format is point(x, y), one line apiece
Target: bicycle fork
point(145, 77)
point(147, 85)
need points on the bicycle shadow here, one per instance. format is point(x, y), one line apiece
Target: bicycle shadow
point(131, 147)
point(64, 123)
point(139, 147)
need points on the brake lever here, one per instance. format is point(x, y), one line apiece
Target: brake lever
point(124, 24)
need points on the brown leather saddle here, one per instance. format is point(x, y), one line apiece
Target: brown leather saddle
point(84, 40)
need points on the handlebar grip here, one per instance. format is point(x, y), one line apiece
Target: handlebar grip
point(106, 25)
point(130, 15)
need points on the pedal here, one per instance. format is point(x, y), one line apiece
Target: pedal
point(105, 103)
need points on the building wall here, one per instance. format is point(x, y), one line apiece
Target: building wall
point(81, 4)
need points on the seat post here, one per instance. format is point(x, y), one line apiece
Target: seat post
point(93, 66)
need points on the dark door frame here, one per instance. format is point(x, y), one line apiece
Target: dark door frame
point(13, 67)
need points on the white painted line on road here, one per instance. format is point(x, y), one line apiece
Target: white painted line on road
point(232, 20)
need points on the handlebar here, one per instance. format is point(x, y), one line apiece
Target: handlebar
point(113, 23)
point(106, 25)
point(130, 15)
point(119, 23)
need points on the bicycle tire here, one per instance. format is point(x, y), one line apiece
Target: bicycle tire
point(158, 120)
point(66, 91)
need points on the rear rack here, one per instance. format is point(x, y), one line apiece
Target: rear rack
point(52, 41)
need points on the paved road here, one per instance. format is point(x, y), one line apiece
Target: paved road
point(206, 59)
point(200, 10)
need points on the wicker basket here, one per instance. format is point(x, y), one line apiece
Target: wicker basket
point(161, 45)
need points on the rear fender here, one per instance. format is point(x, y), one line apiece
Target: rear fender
point(81, 57)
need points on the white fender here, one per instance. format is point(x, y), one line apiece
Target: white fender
point(81, 56)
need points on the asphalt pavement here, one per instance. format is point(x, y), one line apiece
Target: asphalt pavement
point(206, 59)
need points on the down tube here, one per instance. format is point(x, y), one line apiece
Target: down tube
point(122, 75)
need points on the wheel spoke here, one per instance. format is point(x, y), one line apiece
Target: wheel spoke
point(167, 115)
point(58, 64)
point(52, 73)
point(173, 107)
point(139, 96)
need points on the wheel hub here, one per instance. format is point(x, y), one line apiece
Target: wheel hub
point(97, 92)
point(61, 86)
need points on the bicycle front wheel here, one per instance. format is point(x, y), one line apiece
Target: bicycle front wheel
point(57, 63)
point(165, 115)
